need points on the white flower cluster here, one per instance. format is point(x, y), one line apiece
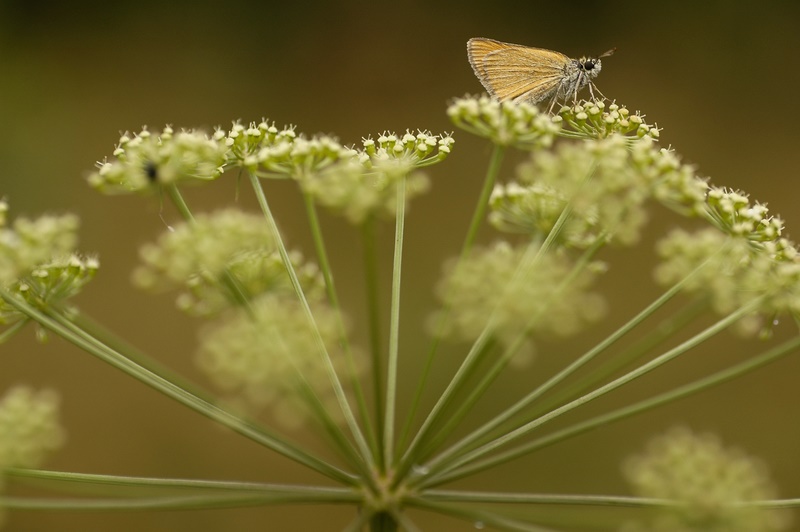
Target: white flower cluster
point(710, 484)
point(144, 161)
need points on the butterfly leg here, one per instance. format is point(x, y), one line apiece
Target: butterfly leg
point(593, 86)
point(553, 101)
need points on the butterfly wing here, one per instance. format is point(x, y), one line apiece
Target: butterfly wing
point(515, 72)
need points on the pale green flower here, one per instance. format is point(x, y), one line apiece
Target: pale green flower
point(245, 142)
point(596, 119)
point(38, 263)
point(29, 427)
point(531, 297)
point(262, 356)
point(219, 254)
point(365, 185)
point(734, 271)
point(732, 212)
point(711, 484)
point(271, 152)
point(144, 160)
point(506, 123)
point(29, 243)
point(50, 282)
point(605, 183)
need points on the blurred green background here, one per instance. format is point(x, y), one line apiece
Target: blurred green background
point(720, 77)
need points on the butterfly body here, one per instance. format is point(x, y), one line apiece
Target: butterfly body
point(521, 73)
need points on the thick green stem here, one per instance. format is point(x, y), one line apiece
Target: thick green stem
point(383, 522)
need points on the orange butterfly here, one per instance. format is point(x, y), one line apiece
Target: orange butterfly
point(525, 74)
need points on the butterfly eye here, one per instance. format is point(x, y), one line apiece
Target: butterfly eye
point(588, 65)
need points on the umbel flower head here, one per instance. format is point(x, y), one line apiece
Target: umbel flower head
point(711, 484)
point(29, 427)
point(518, 293)
point(507, 123)
point(144, 160)
point(743, 258)
point(605, 182)
point(365, 184)
point(594, 119)
point(269, 152)
point(38, 262)
point(267, 355)
point(218, 257)
point(733, 272)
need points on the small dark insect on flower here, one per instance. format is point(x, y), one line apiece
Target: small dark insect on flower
point(524, 74)
point(151, 171)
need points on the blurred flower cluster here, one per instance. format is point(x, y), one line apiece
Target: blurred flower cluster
point(706, 486)
point(30, 429)
point(38, 262)
point(219, 260)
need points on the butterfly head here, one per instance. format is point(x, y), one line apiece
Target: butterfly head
point(590, 65)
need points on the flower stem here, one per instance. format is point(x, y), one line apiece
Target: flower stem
point(439, 464)
point(394, 324)
point(495, 163)
point(104, 483)
point(657, 336)
point(333, 298)
point(409, 458)
point(168, 502)
point(686, 390)
point(239, 295)
point(476, 518)
point(383, 522)
point(231, 282)
point(374, 321)
point(477, 391)
point(62, 327)
point(12, 330)
point(337, 385)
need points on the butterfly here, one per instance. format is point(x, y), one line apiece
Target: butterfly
point(524, 74)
